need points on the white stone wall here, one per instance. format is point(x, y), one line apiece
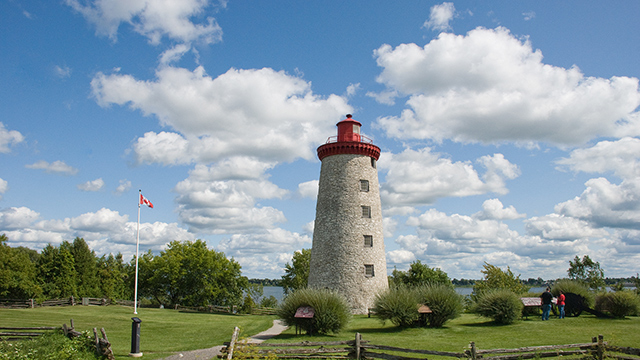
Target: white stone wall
point(339, 255)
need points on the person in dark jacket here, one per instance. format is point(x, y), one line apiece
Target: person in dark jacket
point(547, 298)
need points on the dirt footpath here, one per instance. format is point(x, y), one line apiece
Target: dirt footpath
point(213, 352)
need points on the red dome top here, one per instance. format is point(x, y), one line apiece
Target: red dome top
point(349, 141)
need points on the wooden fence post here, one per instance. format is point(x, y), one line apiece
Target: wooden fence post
point(600, 347)
point(358, 338)
point(97, 341)
point(234, 338)
point(473, 350)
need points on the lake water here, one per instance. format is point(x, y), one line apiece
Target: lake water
point(278, 293)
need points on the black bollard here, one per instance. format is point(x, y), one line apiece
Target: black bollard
point(135, 338)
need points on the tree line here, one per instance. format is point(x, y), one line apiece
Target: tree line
point(186, 273)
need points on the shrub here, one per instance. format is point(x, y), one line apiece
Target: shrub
point(619, 304)
point(501, 305)
point(443, 301)
point(269, 302)
point(51, 345)
point(398, 304)
point(574, 287)
point(332, 313)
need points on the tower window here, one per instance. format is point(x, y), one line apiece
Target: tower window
point(368, 271)
point(368, 241)
point(364, 185)
point(366, 211)
point(373, 163)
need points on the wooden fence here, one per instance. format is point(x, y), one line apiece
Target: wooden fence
point(86, 301)
point(360, 349)
point(102, 344)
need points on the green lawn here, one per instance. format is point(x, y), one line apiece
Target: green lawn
point(165, 332)
point(456, 335)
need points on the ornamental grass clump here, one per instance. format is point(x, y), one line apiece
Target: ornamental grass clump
point(398, 304)
point(574, 287)
point(444, 302)
point(331, 311)
point(619, 304)
point(501, 305)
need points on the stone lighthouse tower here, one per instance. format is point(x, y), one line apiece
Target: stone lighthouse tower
point(348, 246)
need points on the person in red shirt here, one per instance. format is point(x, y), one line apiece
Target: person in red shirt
point(560, 303)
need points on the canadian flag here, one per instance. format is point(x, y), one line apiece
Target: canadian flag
point(145, 201)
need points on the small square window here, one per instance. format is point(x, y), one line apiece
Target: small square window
point(368, 240)
point(368, 271)
point(364, 185)
point(366, 211)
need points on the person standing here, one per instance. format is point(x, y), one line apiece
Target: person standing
point(560, 303)
point(547, 298)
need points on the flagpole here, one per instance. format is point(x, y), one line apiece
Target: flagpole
point(135, 292)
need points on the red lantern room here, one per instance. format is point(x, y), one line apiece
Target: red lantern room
point(348, 129)
point(349, 141)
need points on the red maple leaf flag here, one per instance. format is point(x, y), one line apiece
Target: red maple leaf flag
point(145, 201)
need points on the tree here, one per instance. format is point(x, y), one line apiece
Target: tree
point(85, 261)
point(296, 275)
point(496, 278)
point(190, 274)
point(113, 277)
point(420, 274)
point(587, 271)
point(56, 272)
point(17, 273)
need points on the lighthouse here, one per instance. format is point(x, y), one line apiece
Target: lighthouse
point(348, 254)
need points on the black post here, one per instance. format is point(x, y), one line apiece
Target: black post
point(135, 337)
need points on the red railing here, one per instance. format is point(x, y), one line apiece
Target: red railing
point(363, 139)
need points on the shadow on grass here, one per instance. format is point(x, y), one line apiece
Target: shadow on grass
point(485, 324)
point(385, 330)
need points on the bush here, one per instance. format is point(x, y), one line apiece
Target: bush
point(332, 313)
point(443, 301)
point(50, 346)
point(574, 287)
point(269, 302)
point(398, 304)
point(501, 305)
point(619, 304)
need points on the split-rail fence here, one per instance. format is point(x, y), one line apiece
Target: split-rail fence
point(360, 349)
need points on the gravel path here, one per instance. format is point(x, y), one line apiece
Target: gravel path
point(212, 353)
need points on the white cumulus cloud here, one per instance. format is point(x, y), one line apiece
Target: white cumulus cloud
point(8, 138)
point(258, 113)
point(176, 19)
point(440, 17)
point(489, 86)
point(92, 185)
point(56, 167)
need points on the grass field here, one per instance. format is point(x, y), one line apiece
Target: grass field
point(165, 332)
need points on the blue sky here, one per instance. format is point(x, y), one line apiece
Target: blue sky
point(510, 130)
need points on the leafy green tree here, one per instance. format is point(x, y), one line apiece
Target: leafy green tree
point(269, 302)
point(190, 274)
point(296, 275)
point(113, 278)
point(56, 272)
point(420, 274)
point(496, 278)
point(17, 273)
point(255, 291)
point(587, 271)
point(86, 262)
